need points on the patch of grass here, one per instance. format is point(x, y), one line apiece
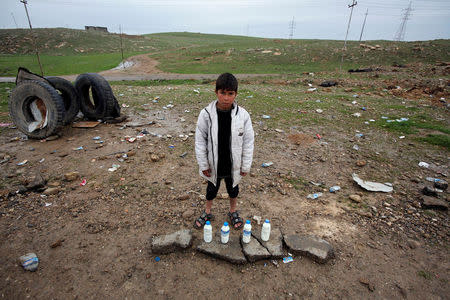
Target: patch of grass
point(425, 274)
point(158, 82)
point(437, 139)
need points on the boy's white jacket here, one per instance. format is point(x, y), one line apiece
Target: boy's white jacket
point(206, 142)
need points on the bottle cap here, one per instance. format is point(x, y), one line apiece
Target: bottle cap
point(225, 224)
point(208, 223)
point(247, 222)
point(267, 221)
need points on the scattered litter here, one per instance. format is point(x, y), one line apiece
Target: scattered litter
point(267, 164)
point(355, 147)
point(385, 118)
point(113, 168)
point(312, 89)
point(318, 136)
point(316, 183)
point(401, 137)
point(79, 148)
point(265, 117)
point(359, 135)
point(5, 124)
point(431, 179)
point(355, 96)
point(288, 259)
point(334, 188)
point(47, 204)
point(371, 120)
point(373, 186)
point(131, 139)
point(318, 101)
point(357, 115)
point(29, 262)
point(279, 130)
point(275, 262)
point(363, 108)
point(248, 97)
point(319, 111)
point(257, 219)
point(183, 154)
point(157, 259)
point(22, 162)
point(125, 105)
point(354, 102)
point(314, 196)
point(96, 138)
point(83, 182)
point(196, 91)
point(424, 164)
point(41, 160)
point(171, 146)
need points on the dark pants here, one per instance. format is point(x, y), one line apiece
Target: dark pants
point(211, 190)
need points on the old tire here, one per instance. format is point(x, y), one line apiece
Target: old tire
point(69, 95)
point(29, 91)
point(103, 104)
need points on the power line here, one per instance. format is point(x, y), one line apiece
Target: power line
point(32, 35)
point(400, 35)
point(354, 3)
point(291, 28)
point(364, 24)
point(12, 15)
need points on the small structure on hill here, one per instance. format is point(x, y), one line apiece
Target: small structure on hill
point(96, 28)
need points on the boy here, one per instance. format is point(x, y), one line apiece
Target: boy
point(224, 147)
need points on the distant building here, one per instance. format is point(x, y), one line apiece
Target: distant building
point(96, 28)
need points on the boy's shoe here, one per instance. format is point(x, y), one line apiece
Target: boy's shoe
point(202, 220)
point(235, 219)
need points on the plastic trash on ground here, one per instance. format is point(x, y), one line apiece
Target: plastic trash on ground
point(267, 164)
point(373, 186)
point(288, 259)
point(314, 196)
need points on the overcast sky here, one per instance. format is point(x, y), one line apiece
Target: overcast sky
point(314, 19)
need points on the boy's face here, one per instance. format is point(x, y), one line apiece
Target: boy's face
point(225, 99)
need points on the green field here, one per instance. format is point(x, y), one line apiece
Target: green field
point(68, 51)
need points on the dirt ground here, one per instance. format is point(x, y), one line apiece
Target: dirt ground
point(93, 240)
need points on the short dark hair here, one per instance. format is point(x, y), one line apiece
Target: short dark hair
point(227, 82)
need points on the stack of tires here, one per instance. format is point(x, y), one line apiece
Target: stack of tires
point(41, 106)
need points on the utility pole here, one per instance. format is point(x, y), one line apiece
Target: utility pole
point(364, 24)
point(32, 35)
point(291, 28)
point(12, 15)
point(121, 47)
point(400, 35)
point(354, 3)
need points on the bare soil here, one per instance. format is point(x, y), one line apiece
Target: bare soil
point(93, 241)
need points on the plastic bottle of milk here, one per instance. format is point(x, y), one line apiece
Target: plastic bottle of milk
point(207, 232)
point(225, 233)
point(247, 232)
point(265, 231)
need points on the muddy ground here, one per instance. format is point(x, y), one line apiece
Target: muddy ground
point(93, 240)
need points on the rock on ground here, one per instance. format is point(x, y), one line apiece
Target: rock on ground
point(434, 203)
point(178, 240)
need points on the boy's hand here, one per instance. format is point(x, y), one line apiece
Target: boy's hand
point(207, 173)
point(243, 173)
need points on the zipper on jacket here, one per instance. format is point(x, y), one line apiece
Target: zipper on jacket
point(212, 142)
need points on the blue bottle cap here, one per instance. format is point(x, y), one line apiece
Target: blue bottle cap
point(247, 222)
point(267, 221)
point(225, 224)
point(208, 223)
point(157, 258)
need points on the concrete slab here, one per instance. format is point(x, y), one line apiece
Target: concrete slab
point(254, 251)
point(314, 247)
point(231, 252)
point(274, 245)
point(176, 241)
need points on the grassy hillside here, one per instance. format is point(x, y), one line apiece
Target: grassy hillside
point(68, 51)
